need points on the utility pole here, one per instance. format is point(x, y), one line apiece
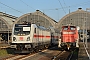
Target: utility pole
point(83, 29)
point(86, 26)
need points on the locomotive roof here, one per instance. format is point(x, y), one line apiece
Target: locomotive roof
point(18, 25)
point(41, 27)
point(68, 25)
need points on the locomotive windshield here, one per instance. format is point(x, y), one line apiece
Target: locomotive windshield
point(22, 29)
point(72, 28)
point(69, 28)
point(65, 28)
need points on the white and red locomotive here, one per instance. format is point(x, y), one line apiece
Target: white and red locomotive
point(30, 37)
point(69, 37)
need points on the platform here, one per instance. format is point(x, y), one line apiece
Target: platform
point(84, 52)
point(4, 46)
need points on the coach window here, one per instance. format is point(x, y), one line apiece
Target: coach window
point(35, 30)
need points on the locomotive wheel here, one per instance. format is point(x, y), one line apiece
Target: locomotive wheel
point(31, 50)
point(61, 49)
point(43, 47)
point(37, 49)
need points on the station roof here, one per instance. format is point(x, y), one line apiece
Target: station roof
point(7, 19)
point(37, 17)
point(79, 18)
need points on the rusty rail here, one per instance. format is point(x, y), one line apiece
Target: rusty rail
point(62, 56)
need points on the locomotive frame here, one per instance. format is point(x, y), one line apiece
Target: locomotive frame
point(69, 37)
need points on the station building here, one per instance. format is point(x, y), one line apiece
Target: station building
point(6, 22)
point(78, 18)
point(38, 17)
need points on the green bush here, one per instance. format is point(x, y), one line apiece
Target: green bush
point(3, 52)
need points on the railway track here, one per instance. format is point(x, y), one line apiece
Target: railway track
point(19, 56)
point(14, 57)
point(62, 55)
point(67, 55)
point(47, 54)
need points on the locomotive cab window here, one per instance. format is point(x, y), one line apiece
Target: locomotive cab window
point(72, 28)
point(21, 29)
point(65, 28)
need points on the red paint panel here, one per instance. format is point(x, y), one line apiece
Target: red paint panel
point(69, 34)
point(21, 38)
point(47, 36)
point(68, 38)
point(35, 35)
point(41, 36)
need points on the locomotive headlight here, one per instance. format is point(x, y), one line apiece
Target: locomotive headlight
point(28, 38)
point(14, 39)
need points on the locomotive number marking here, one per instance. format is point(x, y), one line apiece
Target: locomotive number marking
point(21, 38)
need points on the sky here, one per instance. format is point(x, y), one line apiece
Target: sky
point(56, 9)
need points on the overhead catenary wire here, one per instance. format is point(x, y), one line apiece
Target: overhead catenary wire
point(80, 4)
point(11, 7)
point(65, 4)
point(71, 6)
point(27, 4)
point(62, 6)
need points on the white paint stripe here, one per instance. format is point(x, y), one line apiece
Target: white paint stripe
point(68, 32)
point(86, 51)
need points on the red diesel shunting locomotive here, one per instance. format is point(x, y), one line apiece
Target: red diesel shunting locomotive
point(69, 37)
